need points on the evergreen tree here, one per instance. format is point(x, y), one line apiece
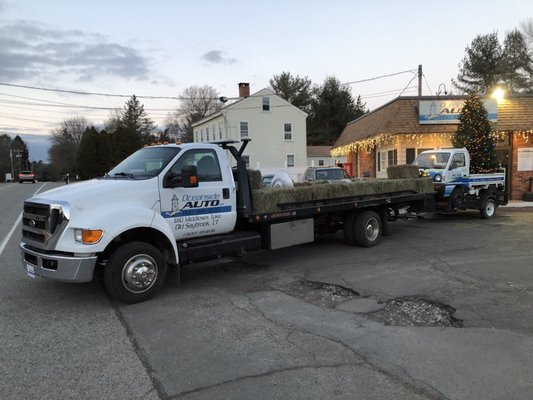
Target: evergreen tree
point(5, 155)
point(123, 143)
point(21, 155)
point(95, 154)
point(134, 118)
point(474, 133)
point(296, 90)
point(332, 107)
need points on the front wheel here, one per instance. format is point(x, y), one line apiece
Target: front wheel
point(135, 272)
point(488, 209)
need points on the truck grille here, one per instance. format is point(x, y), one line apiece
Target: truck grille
point(42, 223)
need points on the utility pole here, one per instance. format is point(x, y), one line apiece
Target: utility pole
point(420, 80)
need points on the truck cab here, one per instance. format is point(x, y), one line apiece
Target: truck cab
point(447, 168)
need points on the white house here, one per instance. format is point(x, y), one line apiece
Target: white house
point(319, 156)
point(276, 127)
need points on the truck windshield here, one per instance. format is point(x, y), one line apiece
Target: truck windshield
point(432, 160)
point(144, 164)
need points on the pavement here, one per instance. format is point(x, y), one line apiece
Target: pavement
point(518, 204)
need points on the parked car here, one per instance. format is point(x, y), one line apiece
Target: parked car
point(26, 176)
point(327, 174)
point(266, 180)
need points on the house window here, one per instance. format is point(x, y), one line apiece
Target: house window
point(287, 128)
point(418, 151)
point(246, 160)
point(201, 135)
point(266, 103)
point(290, 160)
point(411, 153)
point(392, 157)
point(207, 134)
point(220, 130)
point(244, 130)
point(320, 163)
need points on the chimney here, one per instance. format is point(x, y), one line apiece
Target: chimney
point(244, 89)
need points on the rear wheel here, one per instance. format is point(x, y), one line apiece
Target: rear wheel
point(367, 229)
point(135, 272)
point(488, 209)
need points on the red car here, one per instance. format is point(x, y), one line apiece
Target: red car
point(26, 176)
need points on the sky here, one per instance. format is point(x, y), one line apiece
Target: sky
point(158, 48)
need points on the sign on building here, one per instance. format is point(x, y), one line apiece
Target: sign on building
point(447, 111)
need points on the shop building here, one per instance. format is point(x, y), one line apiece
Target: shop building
point(398, 131)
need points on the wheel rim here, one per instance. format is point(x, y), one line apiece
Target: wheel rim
point(372, 229)
point(139, 273)
point(490, 208)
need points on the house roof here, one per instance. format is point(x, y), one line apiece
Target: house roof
point(318, 151)
point(400, 116)
point(260, 93)
point(396, 117)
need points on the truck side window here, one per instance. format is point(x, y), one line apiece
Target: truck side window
point(458, 160)
point(206, 162)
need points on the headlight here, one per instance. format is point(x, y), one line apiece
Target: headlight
point(437, 178)
point(88, 236)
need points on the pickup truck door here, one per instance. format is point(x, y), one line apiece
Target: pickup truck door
point(458, 168)
point(208, 209)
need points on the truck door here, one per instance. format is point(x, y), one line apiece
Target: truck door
point(208, 209)
point(458, 169)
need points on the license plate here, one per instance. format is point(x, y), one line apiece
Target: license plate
point(30, 270)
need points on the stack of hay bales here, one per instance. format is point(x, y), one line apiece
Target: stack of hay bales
point(403, 172)
point(267, 200)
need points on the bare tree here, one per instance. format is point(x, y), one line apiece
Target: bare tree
point(66, 139)
point(526, 26)
point(113, 121)
point(196, 103)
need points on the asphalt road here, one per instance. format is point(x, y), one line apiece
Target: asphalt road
point(266, 327)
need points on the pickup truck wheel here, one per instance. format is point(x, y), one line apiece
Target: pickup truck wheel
point(367, 229)
point(135, 272)
point(488, 209)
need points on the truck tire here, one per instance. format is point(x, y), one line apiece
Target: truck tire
point(135, 272)
point(367, 229)
point(488, 208)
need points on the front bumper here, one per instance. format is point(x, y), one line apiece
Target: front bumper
point(58, 267)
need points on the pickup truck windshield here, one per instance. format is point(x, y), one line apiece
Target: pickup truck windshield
point(144, 164)
point(432, 160)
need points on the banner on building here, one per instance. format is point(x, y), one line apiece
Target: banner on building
point(447, 111)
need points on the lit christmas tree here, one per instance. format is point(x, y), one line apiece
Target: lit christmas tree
point(474, 133)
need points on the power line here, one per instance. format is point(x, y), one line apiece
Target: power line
point(88, 93)
point(380, 77)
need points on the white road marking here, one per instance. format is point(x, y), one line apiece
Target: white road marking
point(15, 225)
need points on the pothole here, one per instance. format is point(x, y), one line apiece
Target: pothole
point(416, 311)
point(321, 294)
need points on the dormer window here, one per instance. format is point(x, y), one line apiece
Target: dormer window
point(266, 103)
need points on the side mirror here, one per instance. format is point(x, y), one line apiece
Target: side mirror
point(189, 174)
point(187, 179)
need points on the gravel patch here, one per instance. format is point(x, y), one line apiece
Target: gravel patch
point(416, 311)
point(321, 294)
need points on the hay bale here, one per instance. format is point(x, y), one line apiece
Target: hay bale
point(254, 177)
point(267, 200)
point(403, 172)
